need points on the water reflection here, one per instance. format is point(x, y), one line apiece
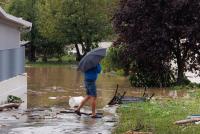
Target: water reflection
point(62, 82)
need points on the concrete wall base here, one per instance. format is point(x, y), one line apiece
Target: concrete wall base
point(16, 86)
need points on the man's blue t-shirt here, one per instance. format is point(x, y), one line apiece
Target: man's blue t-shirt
point(92, 74)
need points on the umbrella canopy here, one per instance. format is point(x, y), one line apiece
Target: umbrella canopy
point(91, 59)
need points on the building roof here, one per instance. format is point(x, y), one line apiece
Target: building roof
point(13, 19)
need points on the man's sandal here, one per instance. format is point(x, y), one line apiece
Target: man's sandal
point(77, 112)
point(96, 116)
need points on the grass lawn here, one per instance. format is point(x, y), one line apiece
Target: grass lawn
point(66, 60)
point(158, 116)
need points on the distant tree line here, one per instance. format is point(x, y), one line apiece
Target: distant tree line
point(58, 23)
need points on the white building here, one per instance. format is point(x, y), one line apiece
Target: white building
point(101, 45)
point(13, 79)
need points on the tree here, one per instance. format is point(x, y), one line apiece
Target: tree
point(85, 23)
point(51, 44)
point(47, 16)
point(158, 32)
point(59, 23)
point(44, 36)
point(3, 3)
point(26, 10)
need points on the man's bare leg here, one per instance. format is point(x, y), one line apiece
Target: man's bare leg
point(93, 105)
point(83, 103)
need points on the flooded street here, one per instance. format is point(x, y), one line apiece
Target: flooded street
point(50, 88)
point(65, 81)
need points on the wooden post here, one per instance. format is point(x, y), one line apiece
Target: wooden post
point(181, 122)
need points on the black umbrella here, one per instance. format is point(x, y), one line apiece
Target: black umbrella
point(91, 59)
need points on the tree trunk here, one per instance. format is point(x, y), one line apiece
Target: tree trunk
point(78, 55)
point(31, 54)
point(44, 59)
point(60, 59)
point(126, 70)
point(83, 49)
point(181, 77)
point(181, 66)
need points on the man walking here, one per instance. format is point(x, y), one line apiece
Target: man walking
point(91, 76)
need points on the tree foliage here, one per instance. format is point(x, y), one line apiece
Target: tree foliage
point(158, 32)
point(2, 3)
point(85, 23)
point(57, 23)
point(47, 16)
point(47, 22)
point(27, 10)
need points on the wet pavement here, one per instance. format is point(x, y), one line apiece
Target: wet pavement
point(51, 121)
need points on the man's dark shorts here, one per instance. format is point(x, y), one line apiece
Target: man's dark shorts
point(91, 88)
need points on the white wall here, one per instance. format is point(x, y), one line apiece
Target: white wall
point(16, 86)
point(9, 36)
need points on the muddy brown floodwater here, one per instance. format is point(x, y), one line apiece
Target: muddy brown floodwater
point(65, 81)
point(51, 87)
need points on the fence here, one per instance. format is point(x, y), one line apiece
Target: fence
point(12, 62)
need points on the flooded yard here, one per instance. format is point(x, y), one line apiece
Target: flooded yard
point(49, 88)
point(65, 81)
